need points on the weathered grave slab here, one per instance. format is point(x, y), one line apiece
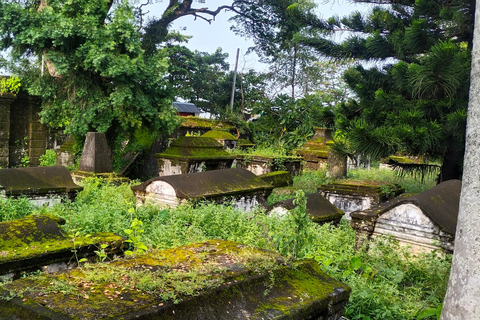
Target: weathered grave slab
point(193, 154)
point(262, 164)
point(319, 209)
point(354, 195)
point(278, 179)
point(246, 189)
point(35, 242)
point(245, 144)
point(223, 137)
point(315, 151)
point(426, 221)
point(42, 185)
point(214, 280)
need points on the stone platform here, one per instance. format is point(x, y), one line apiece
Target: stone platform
point(212, 280)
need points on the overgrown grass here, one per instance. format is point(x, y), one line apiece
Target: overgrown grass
point(387, 281)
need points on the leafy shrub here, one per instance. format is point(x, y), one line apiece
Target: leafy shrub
point(11, 209)
point(9, 85)
point(48, 159)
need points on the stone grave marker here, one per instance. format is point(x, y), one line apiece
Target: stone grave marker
point(278, 179)
point(37, 242)
point(246, 189)
point(225, 138)
point(193, 154)
point(260, 165)
point(214, 280)
point(245, 144)
point(315, 151)
point(41, 185)
point(95, 161)
point(426, 221)
point(319, 209)
point(354, 195)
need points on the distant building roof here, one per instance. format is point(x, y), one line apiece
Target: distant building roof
point(186, 107)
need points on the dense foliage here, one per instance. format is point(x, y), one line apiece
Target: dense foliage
point(85, 60)
point(415, 101)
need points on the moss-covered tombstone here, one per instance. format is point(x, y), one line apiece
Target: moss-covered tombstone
point(354, 195)
point(193, 154)
point(41, 185)
point(225, 138)
point(315, 151)
point(237, 185)
point(426, 221)
point(36, 242)
point(215, 279)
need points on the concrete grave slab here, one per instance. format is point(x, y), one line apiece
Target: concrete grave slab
point(193, 154)
point(35, 242)
point(426, 221)
point(354, 195)
point(244, 187)
point(278, 179)
point(225, 138)
point(260, 165)
point(319, 209)
point(42, 185)
point(212, 280)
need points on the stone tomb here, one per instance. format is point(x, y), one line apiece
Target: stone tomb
point(315, 151)
point(319, 209)
point(278, 179)
point(260, 165)
point(41, 185)
point(224, 137)
point(354, 195)
point(425, 221)
point(239, 185)
point(38, 242)
point(225, 280)
point(193, 154)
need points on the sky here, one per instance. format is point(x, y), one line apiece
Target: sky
point(208, 37)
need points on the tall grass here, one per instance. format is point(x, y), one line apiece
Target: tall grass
point(387, 282)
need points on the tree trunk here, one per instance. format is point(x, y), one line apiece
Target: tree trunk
point(461, 301)
point(452, 165)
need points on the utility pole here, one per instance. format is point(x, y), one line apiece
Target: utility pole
point(234, 81)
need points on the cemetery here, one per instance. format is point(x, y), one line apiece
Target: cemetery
point(330, 176)
point(235, 193)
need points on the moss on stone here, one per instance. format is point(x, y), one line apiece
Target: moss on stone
point(245, 143)
point(195, 148)
point(201, 123)
point(219, 135)
point(235, 279)
point(381, 190)
point(278, 178)
point(34, 241)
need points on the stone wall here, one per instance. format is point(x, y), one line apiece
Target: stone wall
point(21, 133)
point(5, 102)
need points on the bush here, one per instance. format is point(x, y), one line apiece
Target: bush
point(11, 209)
point(48, 159)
